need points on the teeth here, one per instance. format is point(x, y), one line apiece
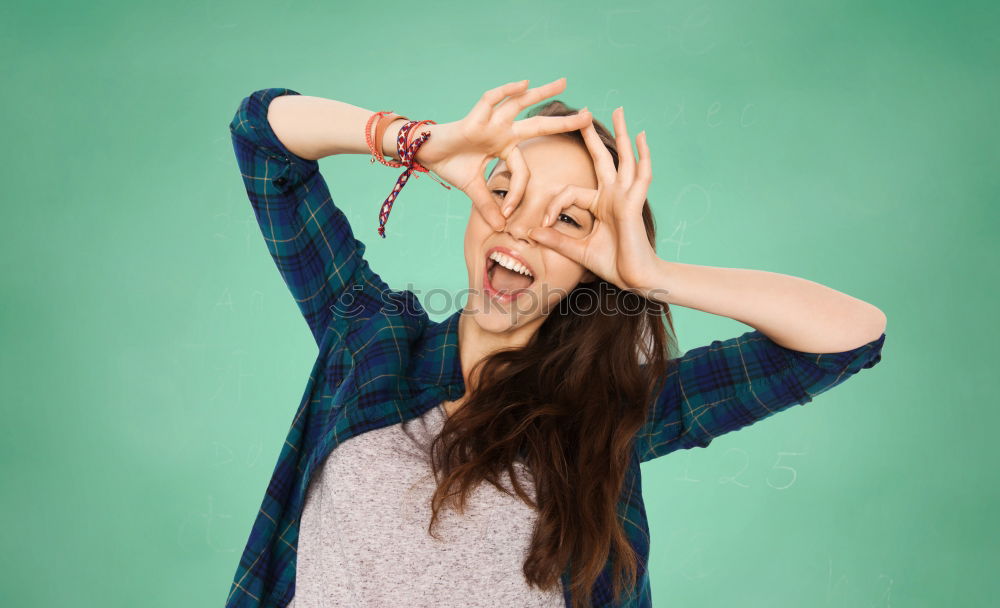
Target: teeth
point(510, 263)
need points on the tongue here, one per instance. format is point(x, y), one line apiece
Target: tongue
point(503, 279)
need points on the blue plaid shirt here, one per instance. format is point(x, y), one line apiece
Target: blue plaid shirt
point(382, 361)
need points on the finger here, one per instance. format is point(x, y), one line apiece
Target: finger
point(484, 107)
point(569, 195)
point(570, 247)
point(518, 180)
point(644, 174)
point(626, 161)
point(604, 165)
point(510, 107)
point(550, 125)
point(483, 201)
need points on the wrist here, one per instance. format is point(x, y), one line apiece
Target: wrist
point(661, 280)
point(421, 155)
point(392, 132)
point(389, 148)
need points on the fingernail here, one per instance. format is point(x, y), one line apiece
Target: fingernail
point(545, 220)
point(506, 211)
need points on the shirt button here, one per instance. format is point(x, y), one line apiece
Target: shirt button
point(280, 181)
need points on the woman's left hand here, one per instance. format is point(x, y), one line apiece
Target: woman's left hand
point(617, 248)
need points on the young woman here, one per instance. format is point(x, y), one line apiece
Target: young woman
point(492, 458)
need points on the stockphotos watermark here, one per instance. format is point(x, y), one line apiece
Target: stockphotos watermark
point(356, 301)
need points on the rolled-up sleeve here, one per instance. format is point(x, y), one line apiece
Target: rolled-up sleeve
point(307, 235)
point(727, 385)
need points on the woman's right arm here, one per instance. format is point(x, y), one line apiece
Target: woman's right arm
point(278, 135)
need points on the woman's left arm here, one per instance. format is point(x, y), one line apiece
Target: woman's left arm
point(796, 313)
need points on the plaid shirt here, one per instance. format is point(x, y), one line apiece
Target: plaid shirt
point(383, 361)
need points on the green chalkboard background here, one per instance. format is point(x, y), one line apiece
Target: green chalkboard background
point(152, 358)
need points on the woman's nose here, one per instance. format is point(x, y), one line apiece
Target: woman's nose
point(526, 215)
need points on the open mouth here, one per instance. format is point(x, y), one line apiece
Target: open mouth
point(506, 277)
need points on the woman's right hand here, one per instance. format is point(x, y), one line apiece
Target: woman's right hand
point(459, 151)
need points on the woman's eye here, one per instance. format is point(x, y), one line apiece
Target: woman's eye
point(504, 191)
point(571, 220)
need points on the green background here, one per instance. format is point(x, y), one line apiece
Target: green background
point(153, 358)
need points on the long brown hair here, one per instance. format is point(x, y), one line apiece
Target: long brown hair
point(567, 405)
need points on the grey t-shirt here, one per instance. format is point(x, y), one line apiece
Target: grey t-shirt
point(363, 537)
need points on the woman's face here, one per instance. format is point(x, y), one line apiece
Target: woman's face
point(553, 161)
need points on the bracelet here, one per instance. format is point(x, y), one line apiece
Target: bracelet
point(385, 118)
point(405, 148)
point(403, 142)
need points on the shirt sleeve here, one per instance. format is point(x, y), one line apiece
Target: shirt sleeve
point(307, 235)
point(727, 385)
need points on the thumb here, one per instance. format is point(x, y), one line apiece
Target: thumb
point(553, 239)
